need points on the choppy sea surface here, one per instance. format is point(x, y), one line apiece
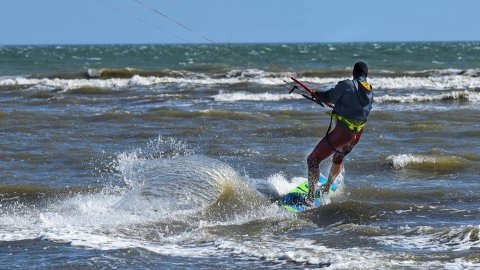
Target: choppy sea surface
point(173, 157)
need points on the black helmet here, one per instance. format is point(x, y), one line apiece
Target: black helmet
point(360, 69)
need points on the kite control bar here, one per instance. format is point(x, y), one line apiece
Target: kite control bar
point(312, 96)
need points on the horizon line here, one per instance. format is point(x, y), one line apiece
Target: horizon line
point(234, 43)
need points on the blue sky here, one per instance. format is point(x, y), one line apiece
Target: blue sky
point(126, 21)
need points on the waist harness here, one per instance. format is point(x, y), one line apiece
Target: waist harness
point(353, 125)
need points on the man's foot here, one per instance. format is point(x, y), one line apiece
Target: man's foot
point(326, 188)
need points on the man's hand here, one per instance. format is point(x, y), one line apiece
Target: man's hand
point(315, 96)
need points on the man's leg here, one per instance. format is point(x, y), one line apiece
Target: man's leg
point(337, 161)
point(321, 152)
point(335, 170)
point(336, 139)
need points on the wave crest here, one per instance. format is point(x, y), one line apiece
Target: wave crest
point(426, 162)
point(462, 96)
point(237, 96)
point(458, 84)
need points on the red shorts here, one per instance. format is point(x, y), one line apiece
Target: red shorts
point(339, 141)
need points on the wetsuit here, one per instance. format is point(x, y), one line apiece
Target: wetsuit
point(353, 101)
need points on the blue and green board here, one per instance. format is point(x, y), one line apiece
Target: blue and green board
point(295, 200)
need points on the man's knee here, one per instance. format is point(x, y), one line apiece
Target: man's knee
point(338, 158)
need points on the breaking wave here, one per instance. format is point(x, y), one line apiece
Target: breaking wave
point(461, 85)
point(231, 97)
point(463, 96)
point(426, 162)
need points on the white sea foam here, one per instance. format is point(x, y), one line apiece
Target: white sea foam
point(281, 185)
point(308, 252)
point(136, 80)
point(473, 97)
point(248, 73)
point(236, 96)
point(449, 82)
point(437, 82)
point(403, 160)
point(427, 162)
point(434, 239)
point(127, 162)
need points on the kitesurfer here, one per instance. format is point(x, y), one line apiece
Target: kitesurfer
point(352, 100)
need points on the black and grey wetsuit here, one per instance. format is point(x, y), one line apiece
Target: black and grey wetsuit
point(352, 98)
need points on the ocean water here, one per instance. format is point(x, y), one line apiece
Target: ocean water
point(173, 157)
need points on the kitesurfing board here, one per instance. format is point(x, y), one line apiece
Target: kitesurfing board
point(295, 200)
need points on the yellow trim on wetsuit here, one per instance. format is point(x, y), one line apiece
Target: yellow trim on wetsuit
point(366, 85)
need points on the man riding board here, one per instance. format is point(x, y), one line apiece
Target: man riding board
point(352, 100)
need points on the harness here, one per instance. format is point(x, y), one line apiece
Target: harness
point(354, 126)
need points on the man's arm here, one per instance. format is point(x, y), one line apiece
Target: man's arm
point(333, 95)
